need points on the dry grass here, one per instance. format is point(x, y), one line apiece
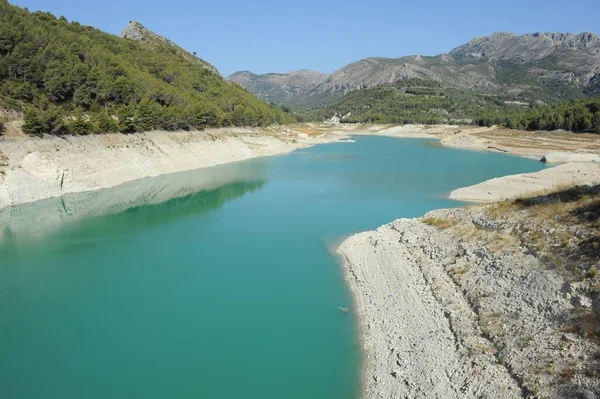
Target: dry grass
point(584, 325)
point(310, 129)
point(501, 208)
point(587, 323)
point(492, 324)
point(3, 163)
point(547, 192)
point(567, 374)
point(459, 271)
point(481, 348)
point(2, 121)
point(497, 242)
point(439, 223)
point(525, 341)
point(551, 212)
point(469, 232)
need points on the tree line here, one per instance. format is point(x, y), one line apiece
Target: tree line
point(69, 78)
point(577, 116)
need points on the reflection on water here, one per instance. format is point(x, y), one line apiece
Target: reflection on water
point(136, 204)
point(96, 230)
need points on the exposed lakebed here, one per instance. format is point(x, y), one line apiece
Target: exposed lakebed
point(216, 283)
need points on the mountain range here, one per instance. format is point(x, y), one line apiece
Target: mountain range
point(279, 88)
point(540, 66)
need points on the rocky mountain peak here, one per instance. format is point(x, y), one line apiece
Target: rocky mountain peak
point(136, 31)
point(527, 48)
point(139, 33)
point(581, 41)
point(242, 74)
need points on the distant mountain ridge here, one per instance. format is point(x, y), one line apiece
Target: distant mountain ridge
point(500, 62)
point(278, 88)
point(542, 66)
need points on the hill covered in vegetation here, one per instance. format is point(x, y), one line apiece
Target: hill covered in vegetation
point(69, 78)
point(411, 101)
point(428, 102)
point(576, 116)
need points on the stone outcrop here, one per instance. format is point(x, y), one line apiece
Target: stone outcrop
point(139, 33)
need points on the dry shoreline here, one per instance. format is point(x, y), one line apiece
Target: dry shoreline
point(456, 304)
point(526, 184)
point(33, 169)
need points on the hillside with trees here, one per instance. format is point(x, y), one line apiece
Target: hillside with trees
point(411, 101)
point(430, 102)
point(69, 78)
point(576, 116)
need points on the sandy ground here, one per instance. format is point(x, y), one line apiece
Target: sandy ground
point(527, 184)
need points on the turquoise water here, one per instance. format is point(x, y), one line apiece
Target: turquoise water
point(224, 292)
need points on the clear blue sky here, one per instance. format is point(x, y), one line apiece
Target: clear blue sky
point(278, 36)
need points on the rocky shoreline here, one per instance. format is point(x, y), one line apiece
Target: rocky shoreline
point(464, 303)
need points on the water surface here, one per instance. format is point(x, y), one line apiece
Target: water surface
point(216, 283)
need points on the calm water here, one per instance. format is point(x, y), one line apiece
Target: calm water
point(229, 291)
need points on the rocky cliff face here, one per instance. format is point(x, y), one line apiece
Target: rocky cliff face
point(527, 48)
point(139, 33)
point(278, 88)
point(560, 64)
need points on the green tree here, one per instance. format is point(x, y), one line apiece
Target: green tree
point(62, 69)
point(32, 123)
point(80, 123)
point(128, 120)
point(106, 123)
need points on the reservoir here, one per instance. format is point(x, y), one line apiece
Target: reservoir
point(216, 283)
